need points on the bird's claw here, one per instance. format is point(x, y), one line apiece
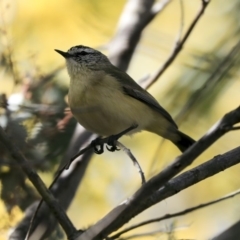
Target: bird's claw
point(112, 143)
point(113, 148)
point(97, 146)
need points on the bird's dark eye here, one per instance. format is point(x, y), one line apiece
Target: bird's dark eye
point(82, 53)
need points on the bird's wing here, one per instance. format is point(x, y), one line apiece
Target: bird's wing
point(131, 88)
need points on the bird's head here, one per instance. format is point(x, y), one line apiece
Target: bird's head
point(81, 58)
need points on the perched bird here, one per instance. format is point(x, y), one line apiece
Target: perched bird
point(107, 101)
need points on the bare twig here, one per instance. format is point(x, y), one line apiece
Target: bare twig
point(178, 46)
point(135, 162)
point(168, 216)
point(139, 235)
point(181, 21)
point(234, 128)
point(81, 152)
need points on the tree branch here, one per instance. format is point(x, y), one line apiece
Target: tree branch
point(131, 207)
point(39, 185)
point(63, 189)
point(187, 179)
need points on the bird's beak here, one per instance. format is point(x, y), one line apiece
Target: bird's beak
point(64, 54)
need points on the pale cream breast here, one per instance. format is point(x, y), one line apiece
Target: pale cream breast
point(103, 108)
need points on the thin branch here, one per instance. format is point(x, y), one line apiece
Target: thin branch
point(81, 152)
point(178, 46)
point(181, 21)
point(135, 162)
point(167, 216)
point(234, 128)
point(152, 233)
point(38, 184)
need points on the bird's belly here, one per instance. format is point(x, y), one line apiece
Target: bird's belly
point(103, 123)
point(109, 114)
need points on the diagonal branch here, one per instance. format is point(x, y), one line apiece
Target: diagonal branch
point(181, 213)
point(131, 207)
point(39, 185)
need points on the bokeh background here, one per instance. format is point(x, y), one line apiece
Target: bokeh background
point(194, 89)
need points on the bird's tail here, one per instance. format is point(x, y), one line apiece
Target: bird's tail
point(184, 141)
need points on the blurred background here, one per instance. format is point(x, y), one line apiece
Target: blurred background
point(197, 90)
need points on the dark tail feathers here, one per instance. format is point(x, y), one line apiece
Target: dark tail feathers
point(184, 142)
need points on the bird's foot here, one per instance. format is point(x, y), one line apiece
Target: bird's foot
point(112, 140)
point(97, 145)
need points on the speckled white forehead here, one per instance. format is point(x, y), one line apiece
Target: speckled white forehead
point(81, 48)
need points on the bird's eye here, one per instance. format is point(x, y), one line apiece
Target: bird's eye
point(82, 53)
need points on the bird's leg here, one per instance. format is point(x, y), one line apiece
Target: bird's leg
point(112, 139)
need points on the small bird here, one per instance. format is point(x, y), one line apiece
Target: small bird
point(107, 101)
